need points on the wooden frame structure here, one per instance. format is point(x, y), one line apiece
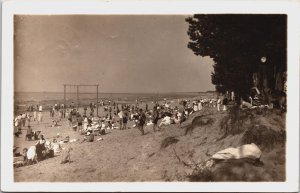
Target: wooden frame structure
point(77, 92)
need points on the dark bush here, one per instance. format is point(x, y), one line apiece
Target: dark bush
point(263, 136)
point(199, 121)
point(204, 175)
point(168, 141)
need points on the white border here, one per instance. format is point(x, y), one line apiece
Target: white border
point(150, 7)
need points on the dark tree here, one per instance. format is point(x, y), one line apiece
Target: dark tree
point(237, 43)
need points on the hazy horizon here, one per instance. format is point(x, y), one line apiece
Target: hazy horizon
point(114, 92)
point(123, 54)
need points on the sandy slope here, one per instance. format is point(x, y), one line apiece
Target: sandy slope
point(126, 155)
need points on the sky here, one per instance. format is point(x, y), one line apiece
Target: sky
point(121, 53)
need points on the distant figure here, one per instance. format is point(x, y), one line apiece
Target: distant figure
point(195, 106)
point(40, 148)
point(79, 122)
point(50, 112)
point(66, 156)
point(121, 114)
point(165, 121)
point(23, 119)
point(225, 103)
point(28, 134)
point(155, 118)
point(84, 111)
point(232, 96)
point(184, 103)
point(218, 103)
point(199, 105)
point(125, 120)
point(85, 123)
point(146, 107)
point(40, 117)
point(28, 117)
point(56, 147)
point(18, 124)
point(141, 121)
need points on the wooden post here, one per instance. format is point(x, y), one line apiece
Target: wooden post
point(64, 94)
point(97, 101)
point(77, 96)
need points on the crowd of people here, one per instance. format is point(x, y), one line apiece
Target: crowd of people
point(114, 116)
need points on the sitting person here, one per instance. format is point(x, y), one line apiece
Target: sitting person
point(165, 121)
point(109, 125)
point(67, 139)
point(40, 148)
point(89, 137)
point(102, 131)
point(256, 96)
point(176, 119)
point(245, 104)
point(56, 147)
point(89, 128)
point(36, 134)
point(49, 150)
point(24, 155)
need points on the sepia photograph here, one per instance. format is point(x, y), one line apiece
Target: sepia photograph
point(198, 97)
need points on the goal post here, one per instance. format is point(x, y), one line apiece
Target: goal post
point(77, 86)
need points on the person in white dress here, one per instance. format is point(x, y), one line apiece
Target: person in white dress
point(199, 105)
point(218, 103)
point(195, 106)
point(165, 121)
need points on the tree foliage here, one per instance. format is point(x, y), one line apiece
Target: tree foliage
point(236, 43)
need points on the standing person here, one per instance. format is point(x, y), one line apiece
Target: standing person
point(60, 115)
point(141, 121)
point(74, 119)
point(184, 103)
point(85, 122)
point(74, 123)
point(225, 103)
point(84, 110)
point(69, 116)
point(18, 124)
point(28, 134)
point(195, 106)
point(40, 108)
point(40, 116)
point(125, 119)
point(34, 115)
point(79, 122)
point(50, 111)
point(64, 110)
point(28, 117)
point(23, 119)
point(118, 110)
point(199, 105)
point(146, 107)
point(121, 114)
point(155, 118)
point(72, 105)
point(218, 103)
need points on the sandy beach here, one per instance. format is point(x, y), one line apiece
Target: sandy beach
point(126, 155)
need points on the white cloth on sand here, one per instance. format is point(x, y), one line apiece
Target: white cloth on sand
point(244, 151)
